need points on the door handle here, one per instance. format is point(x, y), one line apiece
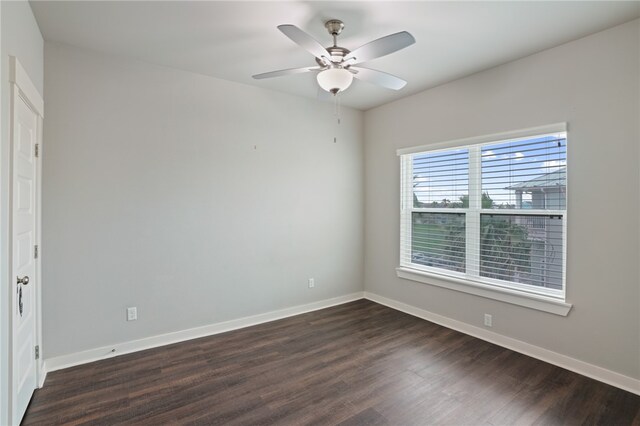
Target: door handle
point(24, 280)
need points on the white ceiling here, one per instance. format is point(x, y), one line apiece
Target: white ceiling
point(235, 39)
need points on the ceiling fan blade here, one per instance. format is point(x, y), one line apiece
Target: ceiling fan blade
point(378, 77)
point(380, 47)
point(304, 40)
point(285, 72)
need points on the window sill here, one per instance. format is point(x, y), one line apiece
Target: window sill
point(515, 297)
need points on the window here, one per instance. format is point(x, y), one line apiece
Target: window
point(490, 213)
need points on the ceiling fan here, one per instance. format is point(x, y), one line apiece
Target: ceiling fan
point(336, 65)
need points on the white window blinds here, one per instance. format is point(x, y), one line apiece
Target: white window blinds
point(493, 213)
point(526, 174)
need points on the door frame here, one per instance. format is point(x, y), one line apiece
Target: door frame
point(21, 86)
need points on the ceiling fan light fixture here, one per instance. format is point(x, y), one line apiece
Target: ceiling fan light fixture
point(335, 80)
point(337, 65)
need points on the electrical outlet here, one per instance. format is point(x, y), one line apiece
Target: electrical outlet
point(488, 320)
point(312, 283)
point(132, 314)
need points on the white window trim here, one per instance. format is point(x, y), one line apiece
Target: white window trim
point(503, 294)
point(492, 138)
point(554, 302)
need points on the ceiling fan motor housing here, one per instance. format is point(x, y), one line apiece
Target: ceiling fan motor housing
point(337, 53)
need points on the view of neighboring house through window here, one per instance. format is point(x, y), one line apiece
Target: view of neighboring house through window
point(491, 213)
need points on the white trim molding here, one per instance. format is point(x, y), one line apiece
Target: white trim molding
point(18, 75)
point(43, 376)
point(503, 294)
point(598, 373)
point(78, 358)
point(492, 138)
point(22, 88)
point(609, 377)
point(470, 278)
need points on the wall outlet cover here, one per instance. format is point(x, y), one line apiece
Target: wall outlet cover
point(132, 314)
point(488, 320)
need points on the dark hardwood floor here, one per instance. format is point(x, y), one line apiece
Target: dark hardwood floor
point(355, 364)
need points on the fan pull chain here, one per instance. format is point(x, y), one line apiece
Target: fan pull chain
point(336, 113)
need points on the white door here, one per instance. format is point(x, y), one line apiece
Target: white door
point(23, 368)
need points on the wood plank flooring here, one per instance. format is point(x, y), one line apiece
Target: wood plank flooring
point(355, 364)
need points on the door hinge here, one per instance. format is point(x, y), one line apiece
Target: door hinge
point(37, 351)
point(37, 150)
point(35, 251)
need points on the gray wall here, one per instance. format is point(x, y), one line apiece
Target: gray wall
point(200, 200)
point(591, 83)
point(195, 199)
point(20, 37)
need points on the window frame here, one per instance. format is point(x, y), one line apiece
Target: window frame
point(541, 298)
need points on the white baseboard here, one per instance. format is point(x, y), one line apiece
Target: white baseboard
point(598, 373)
point(42, 376)
point(70, 360)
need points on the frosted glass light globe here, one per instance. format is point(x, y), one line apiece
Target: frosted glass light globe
point(335, 80)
